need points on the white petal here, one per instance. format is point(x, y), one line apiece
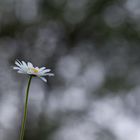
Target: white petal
point(40, 74)
point(16, 68)
point(24, 64)
point(42, 68)
point(49, 74)
point(46, 70)
point(24, 68)
point(44, 79)
point(30, 65)
point(17, 63)
point(29, 72)
point(21, 72)
point(37, 68)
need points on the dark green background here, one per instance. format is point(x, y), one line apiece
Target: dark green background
point(92, 46)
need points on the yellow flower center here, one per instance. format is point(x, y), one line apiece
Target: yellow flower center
point(34, 70)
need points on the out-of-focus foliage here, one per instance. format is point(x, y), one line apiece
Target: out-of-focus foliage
point(92, 46)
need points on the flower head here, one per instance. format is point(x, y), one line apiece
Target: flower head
point(28, 68)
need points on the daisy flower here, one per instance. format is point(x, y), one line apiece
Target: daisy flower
point(28, 68)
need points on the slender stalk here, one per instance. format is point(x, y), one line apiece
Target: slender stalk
point(25, 110)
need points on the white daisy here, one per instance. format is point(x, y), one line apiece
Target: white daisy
point(28, 68)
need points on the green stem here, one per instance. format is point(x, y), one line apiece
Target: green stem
point(25, 110)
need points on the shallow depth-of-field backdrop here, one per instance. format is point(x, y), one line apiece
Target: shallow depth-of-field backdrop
point(93, 47)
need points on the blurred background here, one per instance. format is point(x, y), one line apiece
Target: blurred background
point(92, 46)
